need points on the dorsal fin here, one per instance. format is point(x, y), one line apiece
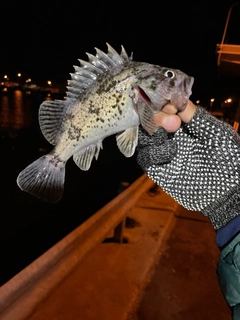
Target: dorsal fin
point(125, 57)
point(51, 113)
point(89, 70)
point(102, 56)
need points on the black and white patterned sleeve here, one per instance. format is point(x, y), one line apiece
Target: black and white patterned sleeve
point(205, 173)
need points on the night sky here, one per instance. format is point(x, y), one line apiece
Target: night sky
point(43, 39)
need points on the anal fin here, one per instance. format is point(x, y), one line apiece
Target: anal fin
point(83, 158)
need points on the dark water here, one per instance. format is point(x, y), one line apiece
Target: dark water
point(28, 226)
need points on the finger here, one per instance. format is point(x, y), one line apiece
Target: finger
point(169, 109)
point(170, 122)
point(187, 114)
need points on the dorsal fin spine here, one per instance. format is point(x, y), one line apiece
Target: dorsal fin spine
point(102, 56)
point(97, 62)
point(85, 73)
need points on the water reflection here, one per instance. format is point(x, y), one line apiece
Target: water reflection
point(15, 110)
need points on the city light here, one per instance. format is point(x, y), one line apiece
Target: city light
point(28, 85)
point(211, 102)
point(229, 100)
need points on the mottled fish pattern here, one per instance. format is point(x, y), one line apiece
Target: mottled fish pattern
point(110, 94)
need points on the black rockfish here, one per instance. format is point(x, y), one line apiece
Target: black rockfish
point(110, 94)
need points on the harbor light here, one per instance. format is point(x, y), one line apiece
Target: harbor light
point(229, 100)
point(211, 102)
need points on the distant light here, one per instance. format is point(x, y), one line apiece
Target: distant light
point(198, 101)
point(5, 77)
point(28, 80)
point(19, 74)
point(229, 100)
point(49, 82)
point(212, 100)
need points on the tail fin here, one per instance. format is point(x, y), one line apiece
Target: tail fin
point(44, 178)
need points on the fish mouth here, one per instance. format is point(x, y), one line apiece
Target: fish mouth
point(155, 101)
point(143, 96)
point(184, 90)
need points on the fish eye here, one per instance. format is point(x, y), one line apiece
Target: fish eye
point(169, 74)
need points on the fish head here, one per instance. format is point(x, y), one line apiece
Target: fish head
point(180, 88)
point(155, 86)
point(160, 85)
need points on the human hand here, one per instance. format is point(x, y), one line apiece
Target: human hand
point(204, 173)
point(159, 148)
point(170, 119)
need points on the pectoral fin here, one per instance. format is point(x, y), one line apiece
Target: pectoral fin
point(83, 158)
point(127, 141)
point(146, 116)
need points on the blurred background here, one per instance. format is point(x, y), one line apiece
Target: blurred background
point(40, 43)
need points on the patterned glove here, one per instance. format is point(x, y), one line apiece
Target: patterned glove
point(204, 174)
point(156, 149)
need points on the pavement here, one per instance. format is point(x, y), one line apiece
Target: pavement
point(165, 269)
point(184, 285)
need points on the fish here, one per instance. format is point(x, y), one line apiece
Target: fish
point(108, 94)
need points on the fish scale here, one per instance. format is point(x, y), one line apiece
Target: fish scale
point(110, 94)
